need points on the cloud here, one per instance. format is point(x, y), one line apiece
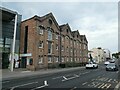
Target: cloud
point(98, 21)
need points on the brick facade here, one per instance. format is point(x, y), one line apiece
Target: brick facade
point(50, 44)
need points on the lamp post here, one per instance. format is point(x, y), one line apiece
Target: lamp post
point(13, 45)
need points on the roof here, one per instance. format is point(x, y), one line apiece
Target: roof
point(44, 18)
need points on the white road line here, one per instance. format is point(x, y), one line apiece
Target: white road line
point(93, 79)
point(25, 71)
point(104, 86)
point(108, 86)
point(109, 80)
point(68, 78)
point(22, 85)
point(64, 77)
point(39, 87)
point(57, 77)
point(117, 86)
point(97, 84)
point(84, 83)
point(5, 81)
point(73, 88)
point(101, 85)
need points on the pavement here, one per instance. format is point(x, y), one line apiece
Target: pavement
point(6, 74)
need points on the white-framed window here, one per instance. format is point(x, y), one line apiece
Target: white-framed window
point(84, 46)
point(40, 60)
point(49, 48)
point(40, 30)
point(40, 44)
point(71, 49)
point(57, 59)
point(62, 59)
point(49, 60)
point(56, 36)
point(67, 59)
point(71, 60)
point(62, 48)
point(56, 46)
point(49, 34)
point(75, 59)
point(74, 43)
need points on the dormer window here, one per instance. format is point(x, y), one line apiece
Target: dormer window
point(50, 21)
point(67, 30)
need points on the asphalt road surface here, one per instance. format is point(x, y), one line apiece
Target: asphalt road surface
point(67, 80)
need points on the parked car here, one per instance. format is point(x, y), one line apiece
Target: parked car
point(91, 65)
point(106, 62)
point(112, 67)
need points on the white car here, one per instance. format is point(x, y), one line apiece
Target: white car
point(91, 65)
point(107, 62)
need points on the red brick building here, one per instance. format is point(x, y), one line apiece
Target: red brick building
point(48, 44)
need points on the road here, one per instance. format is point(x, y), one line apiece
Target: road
point(67, 80)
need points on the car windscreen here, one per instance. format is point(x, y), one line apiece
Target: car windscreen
point(111, 65)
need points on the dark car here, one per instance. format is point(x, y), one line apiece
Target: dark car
point(112, 67)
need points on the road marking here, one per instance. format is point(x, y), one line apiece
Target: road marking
point(117, 86)
point(5, 81)
point(65, 79)
point(97, 84)
point(76, 75)
point(22, 85)
point(39, 87)
point(101, 85)
point(25, 71)
point(73, 88)
point(109, 80)
point(104, 86)
point(117, 71)
point(108, 86)
point(57, 77)
point(84, 83)
point(45, 85)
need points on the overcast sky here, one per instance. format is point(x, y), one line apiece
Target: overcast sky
point(97, 20)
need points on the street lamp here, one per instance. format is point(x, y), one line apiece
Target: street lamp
point(13, 45)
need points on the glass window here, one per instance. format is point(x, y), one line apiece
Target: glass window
point(62, 59)
point(40, 60)
point(49, 47)
point(56, 59)
point(49, 35)
point(40, 30)
point(49, 60)
point(71, 60)
point(75, 59)
point(67, 59)
point(40, 44)
point(56, 46)
point(56, 36)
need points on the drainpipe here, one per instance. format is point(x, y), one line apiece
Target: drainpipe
point(13, 45)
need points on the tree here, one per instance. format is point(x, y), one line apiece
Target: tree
point(116, 55)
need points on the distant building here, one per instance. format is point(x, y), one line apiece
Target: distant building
point(7, 31)
point(45, 44)
point(98, 54)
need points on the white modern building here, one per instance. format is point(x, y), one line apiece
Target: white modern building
point(99, 54)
